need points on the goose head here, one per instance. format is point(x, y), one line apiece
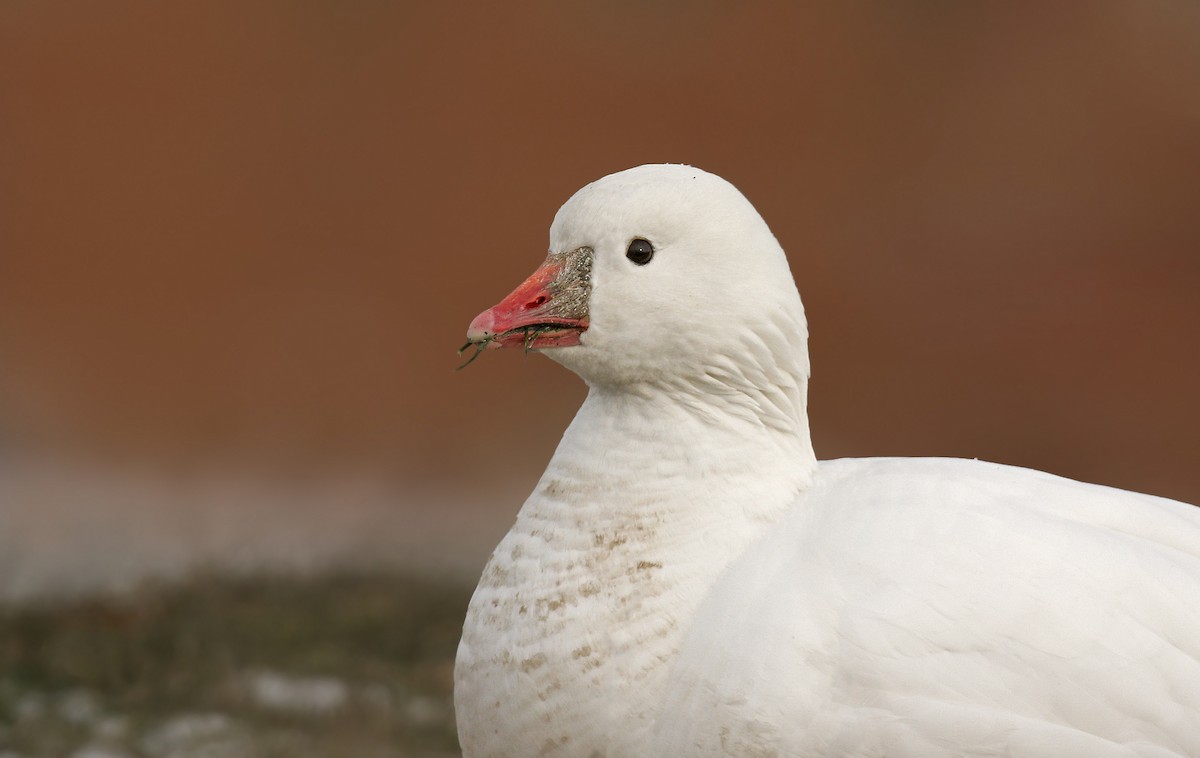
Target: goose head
point(658, 274)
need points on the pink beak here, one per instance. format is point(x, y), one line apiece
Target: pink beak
point(549, 309)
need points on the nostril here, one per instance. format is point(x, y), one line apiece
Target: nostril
point(540, 300)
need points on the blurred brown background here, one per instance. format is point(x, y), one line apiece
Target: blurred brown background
point(239, 243)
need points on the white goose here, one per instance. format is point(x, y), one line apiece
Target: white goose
point(688, 580)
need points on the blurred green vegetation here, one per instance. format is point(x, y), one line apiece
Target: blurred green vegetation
point(137, 675)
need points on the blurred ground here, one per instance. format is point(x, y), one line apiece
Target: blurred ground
point(343, 664)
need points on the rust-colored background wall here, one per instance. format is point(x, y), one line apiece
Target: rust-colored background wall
point(249, 236)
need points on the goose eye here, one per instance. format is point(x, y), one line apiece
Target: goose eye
point(640, 251)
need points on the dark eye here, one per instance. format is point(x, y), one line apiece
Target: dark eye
point(640, 251)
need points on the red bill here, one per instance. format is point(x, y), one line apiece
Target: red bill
point(547, 310)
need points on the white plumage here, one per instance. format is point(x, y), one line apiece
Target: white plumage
point(687, 579)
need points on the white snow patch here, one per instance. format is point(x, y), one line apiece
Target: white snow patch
point(186, 733)
point(280, 692)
